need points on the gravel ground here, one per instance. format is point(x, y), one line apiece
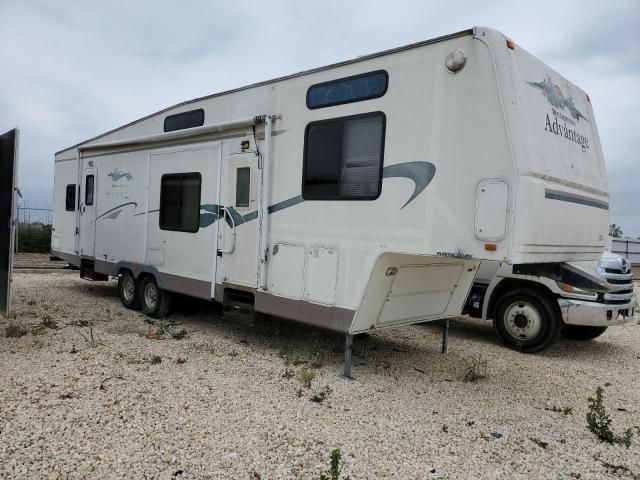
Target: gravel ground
point(219, 404)
point(36, 261)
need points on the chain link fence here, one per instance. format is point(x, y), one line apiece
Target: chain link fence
point(33, 228)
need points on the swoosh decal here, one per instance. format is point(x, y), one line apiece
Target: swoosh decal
point(116, 208)
point(420, 172)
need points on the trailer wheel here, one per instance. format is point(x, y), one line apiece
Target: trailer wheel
point(156, 303)
point(129, 290)
point(577, 332)
point(527, 320)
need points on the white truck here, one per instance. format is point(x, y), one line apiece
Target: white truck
point(585, 297)
point(358, 196)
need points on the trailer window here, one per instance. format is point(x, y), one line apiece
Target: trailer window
point(180, 202)
point(243, 186)
point(88, 190)
point(343, 158)
point(346, 90)
point(180, 121)
point(70, 198)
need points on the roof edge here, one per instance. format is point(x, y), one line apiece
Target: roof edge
point(461, 33)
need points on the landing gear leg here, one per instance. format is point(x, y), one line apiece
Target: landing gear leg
point(445, 336)
point(348, 348)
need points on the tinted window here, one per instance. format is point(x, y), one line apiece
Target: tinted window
point(343, 158)
point(243, 186)
point(180, 202)
point(180, 121)
point(347, 90)
point(88, 191)
point(70, 198)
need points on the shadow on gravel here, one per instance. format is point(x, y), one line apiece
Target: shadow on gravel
point(297, 342)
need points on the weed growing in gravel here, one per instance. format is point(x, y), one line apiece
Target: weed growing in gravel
point(599, 422)
point(475, 369)
point(290, 359)
point(564, 410)
point(181, 361)
point(180, 334)
point(539, 442)
point(155, 360)
point(288, 373)
point(233, 354)
point(48, 322)
point(305, 375)
point(14, 331)
point(322, 395)
point(618, 469)
point(335, 468)
point(90, 338)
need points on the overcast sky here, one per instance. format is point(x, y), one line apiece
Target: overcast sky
point(73, 69)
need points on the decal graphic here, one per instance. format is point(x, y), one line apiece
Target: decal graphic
point(558, 101)
point(420, 173)
point(115, 211)
point(118, 174)
point(555, 97)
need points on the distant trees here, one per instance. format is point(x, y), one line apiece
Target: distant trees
point(615, 230)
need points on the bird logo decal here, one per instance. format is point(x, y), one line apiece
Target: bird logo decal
point(554, 96)
point(118, 174)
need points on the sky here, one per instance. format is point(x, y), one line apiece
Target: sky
point(73, 69)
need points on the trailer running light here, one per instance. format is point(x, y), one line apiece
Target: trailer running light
point(490, 247)
point(510, 44)
point(567, 288)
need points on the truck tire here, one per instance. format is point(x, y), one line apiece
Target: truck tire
point(577, 332)
point(129, 290)
point(527, 320)
point(156, 303)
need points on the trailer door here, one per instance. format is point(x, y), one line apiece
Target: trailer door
point(87, 204)
point(8, 169)
point(183, 218)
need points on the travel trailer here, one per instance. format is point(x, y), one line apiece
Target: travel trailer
point(354, 197)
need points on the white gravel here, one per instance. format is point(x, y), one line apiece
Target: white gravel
point(217, 406)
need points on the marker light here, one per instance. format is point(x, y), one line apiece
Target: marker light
point(490, 247)
point(510, 44)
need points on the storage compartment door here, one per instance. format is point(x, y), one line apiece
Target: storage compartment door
point(492, 209)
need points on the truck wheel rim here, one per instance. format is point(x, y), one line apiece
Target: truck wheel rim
point(150, 296)
point(129, 289)
point(522, 321)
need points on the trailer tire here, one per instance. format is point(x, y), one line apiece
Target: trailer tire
point(527, 320)
point(156, 303)
point(584, 333)
point(129, 290)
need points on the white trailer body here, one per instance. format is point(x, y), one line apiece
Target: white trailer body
point(354, 197)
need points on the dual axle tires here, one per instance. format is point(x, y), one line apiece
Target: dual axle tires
point(144, 294)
